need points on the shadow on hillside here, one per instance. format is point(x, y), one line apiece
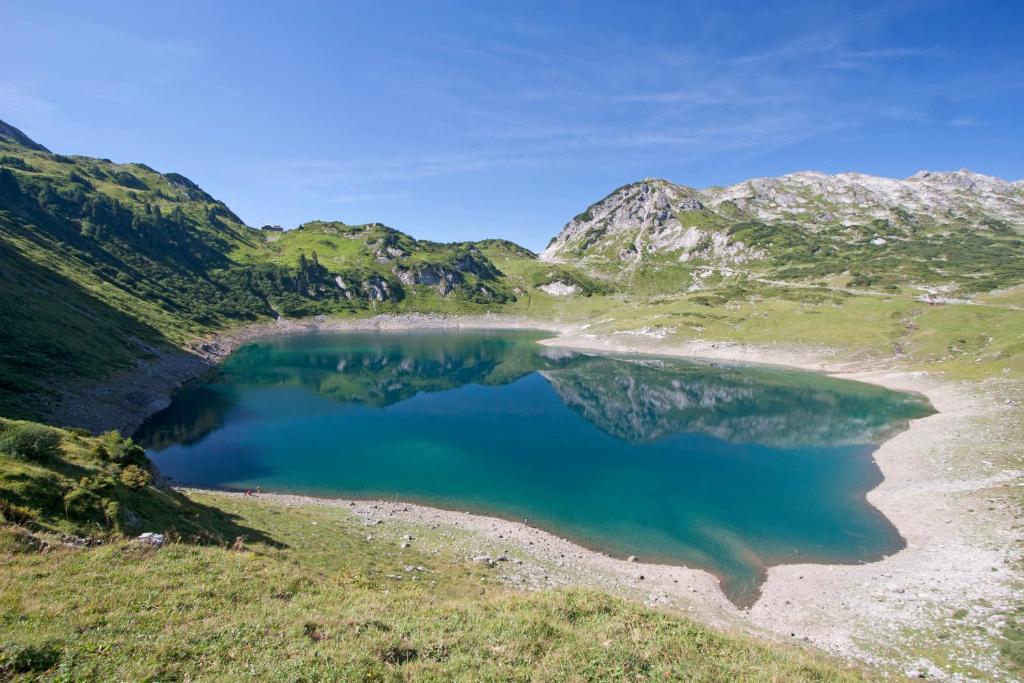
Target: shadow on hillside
point(56, 332)
point(202, 524)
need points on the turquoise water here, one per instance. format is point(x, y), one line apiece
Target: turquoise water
point(724, 467)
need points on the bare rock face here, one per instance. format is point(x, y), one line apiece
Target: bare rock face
point(846, 198)
point(650, 217)
point(387, 253)
point(559, 288)
point(648, 206)
point(444, 280)
point(656, 218)
point(378, 289)
point(344, 287)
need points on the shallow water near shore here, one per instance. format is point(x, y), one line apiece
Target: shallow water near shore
point(723, 467)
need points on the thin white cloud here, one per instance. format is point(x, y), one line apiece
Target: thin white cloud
point(330, 180)
point(698, 98)
point(367, 198)
point(19, 102)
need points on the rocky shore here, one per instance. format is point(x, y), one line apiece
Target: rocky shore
point(935, 609)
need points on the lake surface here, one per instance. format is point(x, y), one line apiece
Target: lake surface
point(729, 468)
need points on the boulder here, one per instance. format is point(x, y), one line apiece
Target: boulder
point(151, 538)
point(484, 560)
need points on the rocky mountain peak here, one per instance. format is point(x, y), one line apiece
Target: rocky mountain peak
point(657, 216)
point(651, 205)
point(963, 179)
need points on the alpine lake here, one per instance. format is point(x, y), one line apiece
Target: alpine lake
point(728, 468)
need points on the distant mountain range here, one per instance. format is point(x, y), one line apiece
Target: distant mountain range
point(960, 228)
point(103, 264)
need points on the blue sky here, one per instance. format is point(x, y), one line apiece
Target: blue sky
point(464, 120)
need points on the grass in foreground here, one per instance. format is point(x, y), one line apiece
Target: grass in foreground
point(307, 597)
point(331, 605)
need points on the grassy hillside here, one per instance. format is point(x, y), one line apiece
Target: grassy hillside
point(391, 269)
point(58, 482)
point(104, 264)
point(249, 589)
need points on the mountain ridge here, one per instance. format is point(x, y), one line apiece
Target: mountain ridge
point(786, 196)
point(955, 230)
point(140, 264)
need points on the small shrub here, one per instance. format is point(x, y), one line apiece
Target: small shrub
point(99, 452)
point(16, 514)
point(87, 502)
point(126, 179)
point(1012, 647)
point(15, 162)
point(114, 448)
point(112, 512)
point(313, 631)
point(396, 653)
point(30, 442)
point(81, 503)
point(79, 179)
point(134, 477)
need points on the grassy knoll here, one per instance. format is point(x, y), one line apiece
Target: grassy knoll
point(304, 596)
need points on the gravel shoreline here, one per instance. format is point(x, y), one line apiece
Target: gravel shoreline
point(945, 488)
point(945, 481)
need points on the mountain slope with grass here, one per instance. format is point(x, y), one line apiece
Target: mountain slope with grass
point(105, 265)
point(379, 264)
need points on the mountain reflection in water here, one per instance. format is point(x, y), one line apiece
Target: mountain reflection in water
point(637, 399)
point(725, 467)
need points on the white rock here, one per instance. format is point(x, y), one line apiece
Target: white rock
point(151, 538)
point(559, 288)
